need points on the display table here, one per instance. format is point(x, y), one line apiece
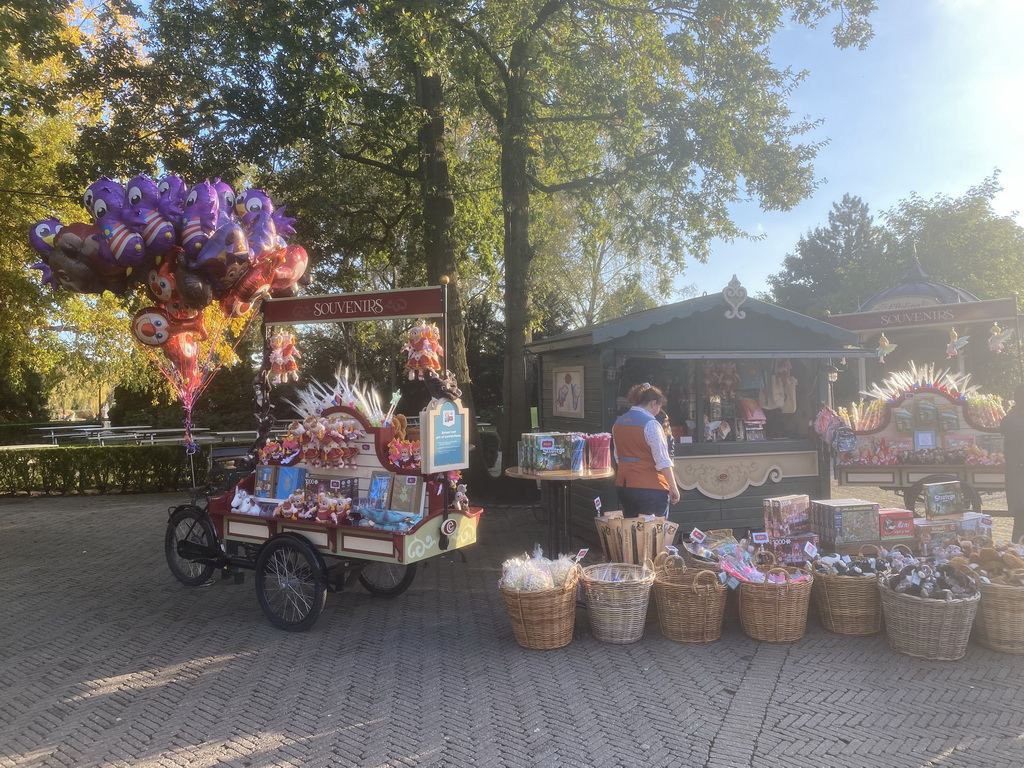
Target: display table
point(560, 519)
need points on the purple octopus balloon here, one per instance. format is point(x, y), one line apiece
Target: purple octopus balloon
point(173, 191)
point(158, 231)
point(122, 243)
point(199, 219)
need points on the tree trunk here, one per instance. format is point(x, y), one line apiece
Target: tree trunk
point(438, 242)
point(515, 194)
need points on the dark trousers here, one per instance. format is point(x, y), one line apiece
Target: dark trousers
point(642, 501)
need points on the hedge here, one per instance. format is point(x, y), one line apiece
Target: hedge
point(104, 469)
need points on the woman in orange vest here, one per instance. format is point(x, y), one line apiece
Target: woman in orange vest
point(644, 480)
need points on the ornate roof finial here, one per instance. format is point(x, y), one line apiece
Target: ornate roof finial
point(734, 294)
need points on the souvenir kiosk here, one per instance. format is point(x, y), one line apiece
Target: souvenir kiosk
point(396, 513)
point(925, 419)
point(744, 380)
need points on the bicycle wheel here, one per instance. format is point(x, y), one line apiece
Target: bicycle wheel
point(189, 525)
point(291, 583)
point(387, 579)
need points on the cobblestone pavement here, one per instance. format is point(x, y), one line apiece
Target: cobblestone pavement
point(106, 660)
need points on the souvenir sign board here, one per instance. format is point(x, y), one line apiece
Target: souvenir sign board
point(444, 436)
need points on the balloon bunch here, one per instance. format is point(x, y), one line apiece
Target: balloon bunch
point(203, 255)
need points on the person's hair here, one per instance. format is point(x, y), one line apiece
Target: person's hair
point(642, 394)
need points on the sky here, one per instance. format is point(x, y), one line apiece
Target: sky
point(932, 106)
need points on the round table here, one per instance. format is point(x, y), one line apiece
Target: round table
point(560, 519)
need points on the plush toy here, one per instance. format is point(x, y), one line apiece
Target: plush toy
point(424, 349)
point(399, 424)
point(244, 503)
point(461, 499)
point(291, 507)
point(340, 510)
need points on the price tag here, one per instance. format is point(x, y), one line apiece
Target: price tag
point(987, 521)
point(597, 504)
point(698, 535)
point(581, 554)
point(673, 550)
point(810, 549)
point(759, 537)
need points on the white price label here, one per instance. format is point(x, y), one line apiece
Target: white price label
point(759, 537)
point(597, 503)
point(698, 535)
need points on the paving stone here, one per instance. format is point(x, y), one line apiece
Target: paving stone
point(106, 660)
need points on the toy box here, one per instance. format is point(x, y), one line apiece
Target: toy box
point(934, 533)
point(895, 524)
point(289, 480)
point(787, 515)
point(845, 521)
point(266, 481)
point(943, 500)
point(793, 550)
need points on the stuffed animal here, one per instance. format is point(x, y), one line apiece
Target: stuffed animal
point(461, 499)
point(244, 503)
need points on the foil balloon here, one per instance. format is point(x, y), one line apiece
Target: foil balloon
point(182, 352)
point(158, 232)
point(255, 284)
point(123, 245)
point(40, 237)
point(226, 200)
point(224, 258)
point(199, 219)
point(256, 212)
point(154, 327)
point(173, 190)
point(162, 286)
point(289, 271)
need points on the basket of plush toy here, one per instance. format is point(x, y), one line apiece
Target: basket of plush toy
point(999, 625)
point(845, 592)
point(617, 596)
point(690, 601)
point(929, 610)
point(540, 595)
point(774, 609)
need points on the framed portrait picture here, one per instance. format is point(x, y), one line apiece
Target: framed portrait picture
point(567, 392)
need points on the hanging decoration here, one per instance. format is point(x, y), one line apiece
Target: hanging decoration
point(956, 343)
point(998, 338)
point(884, 348)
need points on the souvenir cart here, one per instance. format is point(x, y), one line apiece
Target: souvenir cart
point(920, 427)
point(744, 380)
point(378, 511)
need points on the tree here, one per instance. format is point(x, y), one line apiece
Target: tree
point(674, 106)
point(45, 335)
point(834, 267)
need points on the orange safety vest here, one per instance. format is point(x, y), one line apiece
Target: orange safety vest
point(636, 463)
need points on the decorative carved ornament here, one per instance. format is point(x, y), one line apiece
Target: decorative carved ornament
point(735, 294)
point(725, 477)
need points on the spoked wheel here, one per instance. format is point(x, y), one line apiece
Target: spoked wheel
point(291, 583)
point(387, 579)
point(913, 499)
point(189, 527)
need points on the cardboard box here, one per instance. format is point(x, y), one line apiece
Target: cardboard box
point(974, 524)
point(845, 521)
point(933, 533)
point(289, 480)
point(786, 516)
point(943, 500)
point(895, 524)
point(266, 481)
point(789, 550)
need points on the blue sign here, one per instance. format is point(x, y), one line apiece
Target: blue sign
point(446, 438)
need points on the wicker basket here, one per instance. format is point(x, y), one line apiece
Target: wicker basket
point(732, 599)
point(1000, 622)
point(928, 629)
point(847, 605)
point(775, 613)
point(617, 595)
point(545, 619)
point(690, 601)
